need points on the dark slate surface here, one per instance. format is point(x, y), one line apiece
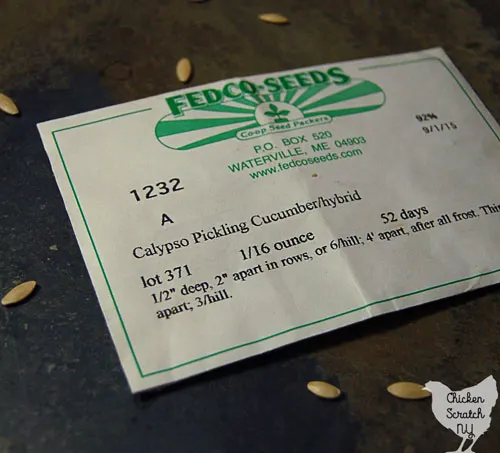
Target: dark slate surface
point(61, 385)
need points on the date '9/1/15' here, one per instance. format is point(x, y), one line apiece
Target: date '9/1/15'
point(436, 127)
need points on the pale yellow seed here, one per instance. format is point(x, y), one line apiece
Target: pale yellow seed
point(8, 105)
point(19, 293)
point(408, 391)
point(274, 18)
point(184, 70)
point(323, 389)
point(314, 175)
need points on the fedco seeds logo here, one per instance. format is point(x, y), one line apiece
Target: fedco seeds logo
point(246, 110)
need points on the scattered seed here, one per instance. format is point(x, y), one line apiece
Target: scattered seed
point(408, 391)
point(53, 248)
point(323, 389)
point(8, 105)
point(274, 18)
point(314, 175)
point(184, 70)
point(19, 293)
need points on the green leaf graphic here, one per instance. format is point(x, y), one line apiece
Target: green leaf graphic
point(279, 114)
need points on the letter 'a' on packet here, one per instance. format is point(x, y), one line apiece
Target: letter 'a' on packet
point(222, 221)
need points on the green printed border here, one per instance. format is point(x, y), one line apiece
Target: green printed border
point(144, 375)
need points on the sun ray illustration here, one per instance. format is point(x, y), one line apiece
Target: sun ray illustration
point(227, 109)
point(258, 98)
point(164, 128)
point(343, 112)
point(359, 90)
point(277, 96)
point(309, 93)
point(290, 94)
point(246, 101)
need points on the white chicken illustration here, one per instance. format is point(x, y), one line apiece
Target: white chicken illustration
point(466, 412)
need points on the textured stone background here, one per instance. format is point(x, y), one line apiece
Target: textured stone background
point(61, 386)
